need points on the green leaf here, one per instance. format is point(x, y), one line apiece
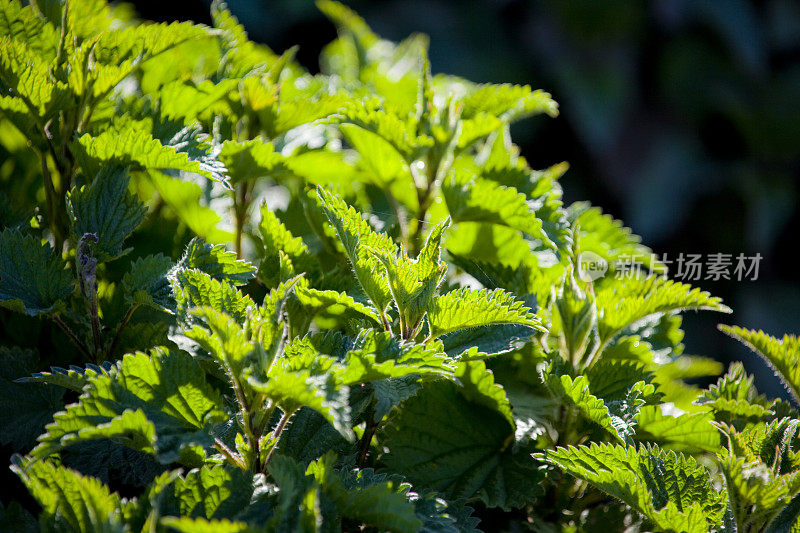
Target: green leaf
point(298, 106)
point(112, 462)
point(227, 22)
point(253, 159)
point(139, 42)
point(333, 303)
point(201, 525)
point(15, 111)
point(197, 145)
point(782, 354)
point(223, 338)
point(476, 129)
point(612, 379)
point(147, 283)
point(25, 408)
point(734, 398)
point(297, 507)
point(494, 275)
point(576, 392)
point(26, 79)
point(308, 436)
point(468, 308)
point(106, 209)
point(185, 200)
point(210, 492)
point(609, 238)
point(508, 102)
point(787, 518)
point(490, 243)
point(442, 441)
point(577, 318)
point(158, 403)
point(276, 239)
point(378, 355)
point(386, 394)
point(361, 243)
point(381, 161)
point(413, 282)
point(434, 513)
point(485, 341)
point(687, 432)
point(217, 262)
point(194, 288)
point(135, 148)
point(70, 501)
point(33, 279)
point(22, 23)
point(73, 378)
point(188, 100)
point(770, 443)
point(379, 503)
point(668, 488)
point(306, 378)
point(368, 115)
point(755, 493)
point(479, 200)
point(478, 386)
point(349, 21)
point(620, 303)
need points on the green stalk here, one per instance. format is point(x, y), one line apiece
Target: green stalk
point(121, 326)
point(276, 433)
point(366, 439)
point(74, 338)
point(51, 202)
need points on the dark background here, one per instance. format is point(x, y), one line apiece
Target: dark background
point(681, 117)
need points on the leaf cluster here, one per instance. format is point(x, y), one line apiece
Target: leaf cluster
point(240, 297)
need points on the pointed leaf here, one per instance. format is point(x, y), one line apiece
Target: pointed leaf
point(442, 441)
point(670, 489)
point(781, 354)
point(33, 279)
point(623, 302)
point(467, 308)
point(135, 148)
point(69, 500)
point(159, 403)
point(216, 261)
point(479, 200)
point(106, 209)
point(361, 243)
point(147, 283)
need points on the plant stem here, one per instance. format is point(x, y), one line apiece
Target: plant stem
point(276, 433)
point(98, 338)
point(385, 322)
point(424, 199)
point(74, 338)
point(241, 203)
point(366, 438)
point(416, 329)
point(401, 219)
point(50, 202)
point(229, 454)
point(121, 326)
point(62, 39)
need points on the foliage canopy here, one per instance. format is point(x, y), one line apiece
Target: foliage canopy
point(400, 338)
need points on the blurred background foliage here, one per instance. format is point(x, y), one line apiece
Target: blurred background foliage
point(681, 117)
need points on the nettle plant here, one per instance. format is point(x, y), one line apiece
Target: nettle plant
point(401, 339)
